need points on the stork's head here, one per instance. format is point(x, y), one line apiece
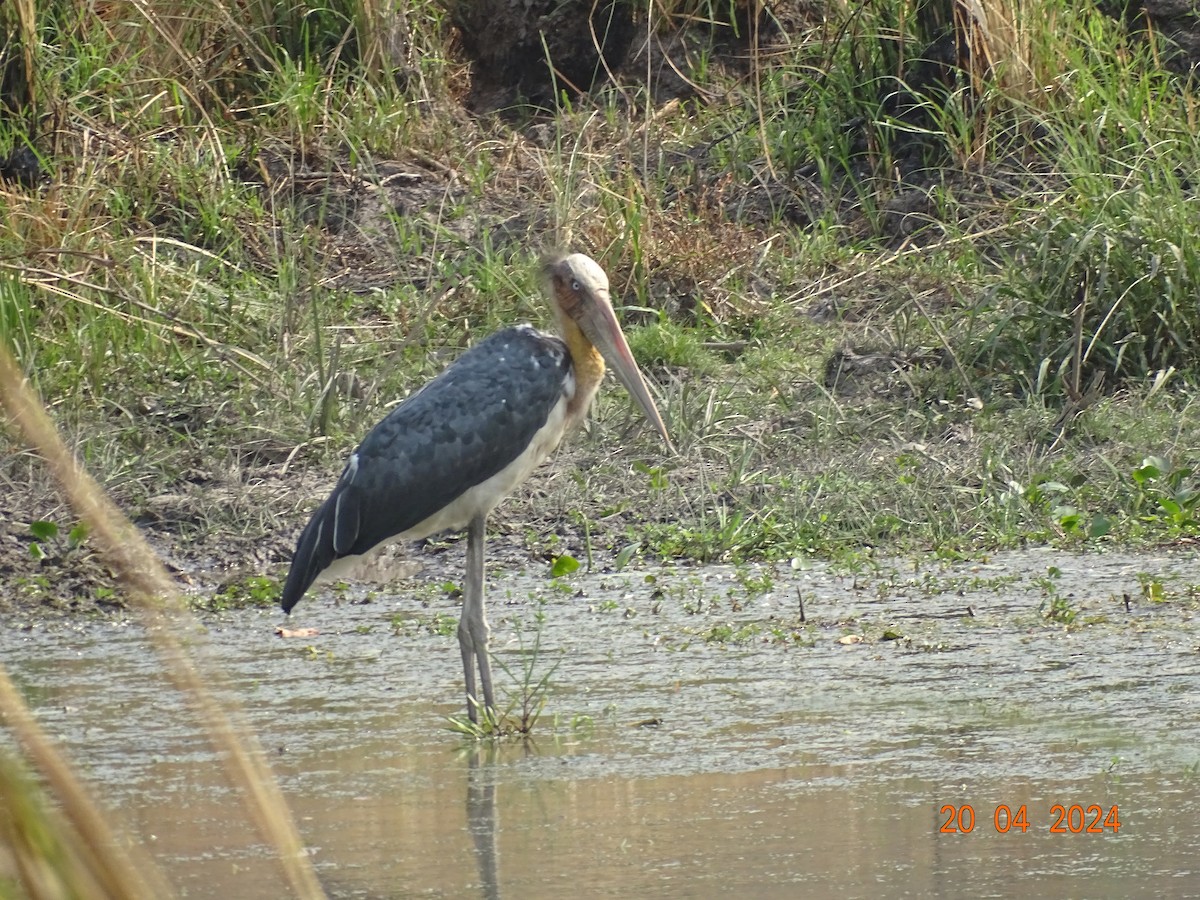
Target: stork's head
point(578, 289)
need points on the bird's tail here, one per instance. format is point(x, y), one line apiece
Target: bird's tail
point(314, 553)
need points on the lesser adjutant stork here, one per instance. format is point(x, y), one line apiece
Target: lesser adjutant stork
point(449, 453)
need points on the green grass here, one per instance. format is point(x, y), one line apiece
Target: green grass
point(220, 276)
point(524, 695)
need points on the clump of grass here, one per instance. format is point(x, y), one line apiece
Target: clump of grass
point(668, 344)
point(1101, 286)
point(525, 707)
point(1097, 280)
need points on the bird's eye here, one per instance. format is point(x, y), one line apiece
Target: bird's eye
point(575, 286)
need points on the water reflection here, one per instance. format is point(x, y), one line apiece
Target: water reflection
point(483, 818)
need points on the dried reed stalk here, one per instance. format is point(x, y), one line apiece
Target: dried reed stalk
point(155, 597)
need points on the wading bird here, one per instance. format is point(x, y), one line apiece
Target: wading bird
point(449, 453)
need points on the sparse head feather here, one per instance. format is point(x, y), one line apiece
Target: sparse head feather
point(575, 272)
point(548, 261)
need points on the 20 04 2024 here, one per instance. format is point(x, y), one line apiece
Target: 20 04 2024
point(1072, 819)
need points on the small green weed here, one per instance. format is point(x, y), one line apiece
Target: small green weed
point(489, 724)
point(1152, 588)
point(249, 591)
point(666, 344)
point(1166, 493)
point(521, 714)
point(439, 624)
point(1056, 607)
point(728, 633)
point(50, 544)
point(564, 565)
point(756, 581)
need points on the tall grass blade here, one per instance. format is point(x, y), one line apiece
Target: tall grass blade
point(154, 596)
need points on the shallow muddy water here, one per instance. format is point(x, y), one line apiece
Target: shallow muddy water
point(701, 737)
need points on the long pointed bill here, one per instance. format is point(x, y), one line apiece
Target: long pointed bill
point(599, 324)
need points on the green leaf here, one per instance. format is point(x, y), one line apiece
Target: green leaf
point(1068, 517)
point(1152, 468)
point(658, 478)
point(77, 535)
point(563, 565)
point(624, 556)
point(43, 531)
point(1157, 462)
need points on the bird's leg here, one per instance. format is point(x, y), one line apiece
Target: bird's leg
point(472, 626)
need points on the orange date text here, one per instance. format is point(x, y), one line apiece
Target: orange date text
point(1063, 819)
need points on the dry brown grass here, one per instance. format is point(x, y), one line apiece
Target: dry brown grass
point(96, 863)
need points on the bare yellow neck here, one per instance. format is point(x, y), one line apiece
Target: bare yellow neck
point(588, 365)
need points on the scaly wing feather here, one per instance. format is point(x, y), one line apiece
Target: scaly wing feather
point(462, 428)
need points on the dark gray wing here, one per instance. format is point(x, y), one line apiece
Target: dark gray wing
point(459, 430)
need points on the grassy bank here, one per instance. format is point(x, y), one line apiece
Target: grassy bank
point(951, 314)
